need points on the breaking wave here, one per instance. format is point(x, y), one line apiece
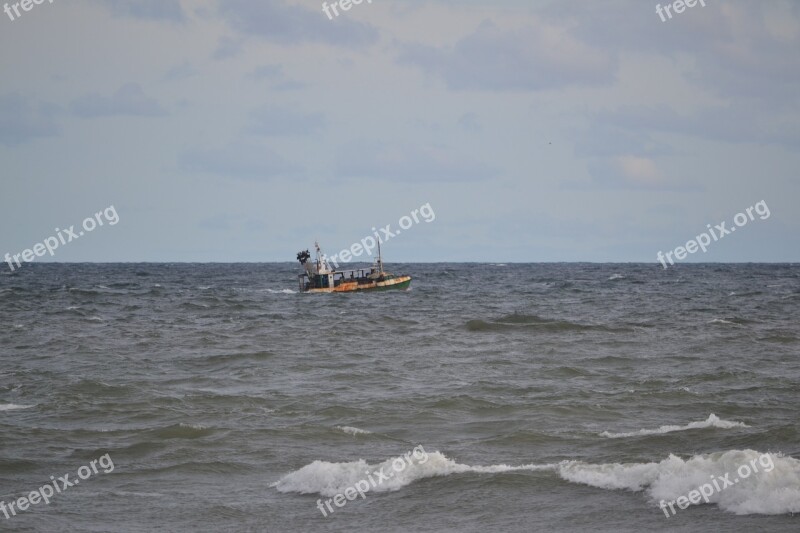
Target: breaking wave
point(329, 479)
point(13, 406)
point(353, 431)
point(713, 421)
point(774, 490)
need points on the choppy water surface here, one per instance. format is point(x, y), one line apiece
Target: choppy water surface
point(554, 397)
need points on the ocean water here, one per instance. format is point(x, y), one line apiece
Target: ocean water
point(508, 397)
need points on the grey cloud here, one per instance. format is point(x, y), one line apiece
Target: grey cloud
point(279, 121)
point(289, 85)
point(631, 173)
point(181, 72)
point(22, 119)
point(169, 10)
point(278, 22)
point(737, 124)
point(469, 122)
point(608, 139)
point(410, 163)
point(270, 72)
point(741, 48)
point(238, 160)
point(227, 47)
point(497, 59)
point(128, 100)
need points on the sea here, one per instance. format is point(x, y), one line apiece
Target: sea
point(488, 397)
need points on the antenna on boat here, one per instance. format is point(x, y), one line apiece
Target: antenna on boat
point(380, 258)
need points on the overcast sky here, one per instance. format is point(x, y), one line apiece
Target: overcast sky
point(243, 130)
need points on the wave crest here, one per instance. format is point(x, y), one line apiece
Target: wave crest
point(773, 491)
point(713, 421)
point(330, 479)
point(776, 491)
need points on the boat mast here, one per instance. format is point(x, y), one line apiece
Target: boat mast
point(322, 262)
point(380, 258)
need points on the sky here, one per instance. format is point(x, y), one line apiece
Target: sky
point(535, 131)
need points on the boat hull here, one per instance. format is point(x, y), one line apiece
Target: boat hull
point(396, 283)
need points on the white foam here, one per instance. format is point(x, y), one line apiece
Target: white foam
point(635, 476)
point(330, 479)
point(713, 421)
point(776, 491)
point(192, 426)
point(353, 431)
point(282, 291)
point(13, 406)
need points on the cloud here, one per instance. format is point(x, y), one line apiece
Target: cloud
point(469, 122)
point(630, 172)
point(289, 85)
point(227, 47)
point(739, 48)
point(169, 10)
point(181, 72)
point(270, 72)
point(129, 100)
point(410, 163)
point(735, 124)
point(277, 22)
point(278, 121)
point(639, 170)
point(604, 138)
point(274, 75)
point(536, 57)
point(22, 119)
point(238, 160)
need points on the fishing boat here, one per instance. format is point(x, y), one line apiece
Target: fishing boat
point(320, 277)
